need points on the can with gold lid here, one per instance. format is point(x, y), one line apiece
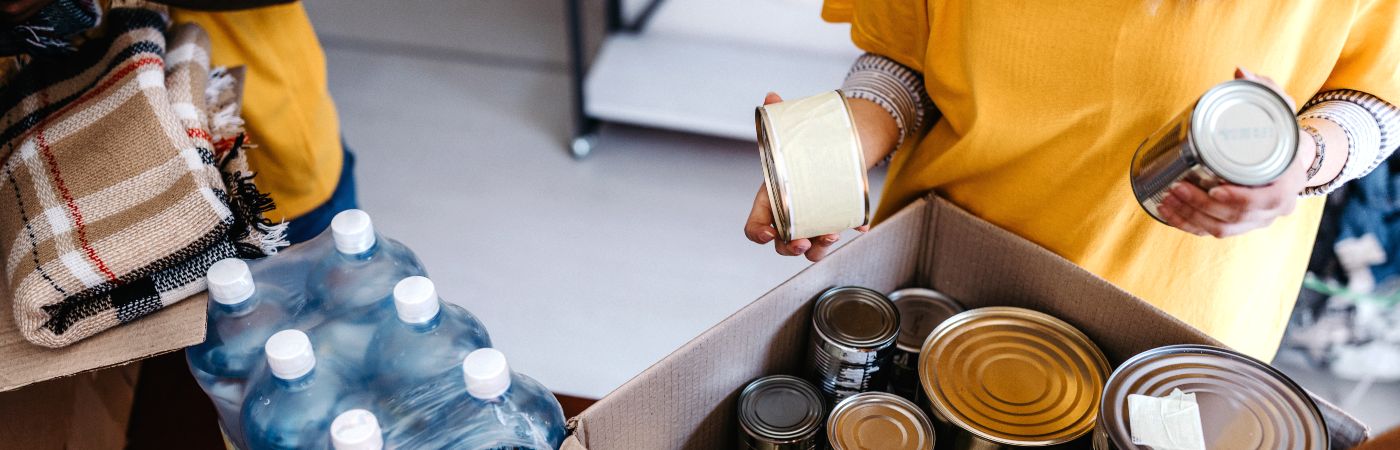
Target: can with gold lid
point(781, 412)
point(1243, 403)
point(879, 420)
point(813, 166)
point(920, 311)
point(853, 333)
point(1239, 131)
point(1005, 377)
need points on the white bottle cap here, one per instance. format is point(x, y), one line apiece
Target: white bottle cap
point(230, 282)
point(352, 231)
point(289, 354)
point(416, 300)
point(487, 374)
point(356, 429)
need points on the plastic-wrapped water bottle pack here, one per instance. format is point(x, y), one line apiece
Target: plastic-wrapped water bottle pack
point(342, 342)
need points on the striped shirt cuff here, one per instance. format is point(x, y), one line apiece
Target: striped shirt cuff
point(896, 88)
point(1372, 128)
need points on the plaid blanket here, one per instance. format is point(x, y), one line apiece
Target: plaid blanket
point(123, 179)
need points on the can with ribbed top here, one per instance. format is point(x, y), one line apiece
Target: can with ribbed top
point(781, 412)
point(920, 311)
point(1243, 403)
point(879, 420)
point(853, 334)
point(1239, 132)
point(1005, 378)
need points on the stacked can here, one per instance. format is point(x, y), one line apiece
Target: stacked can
point(1243, 403)
point(1240, 132)
point(877, 420)
point(920, 311)
point(781, 412)
point(853, 334)
point(1003, 377)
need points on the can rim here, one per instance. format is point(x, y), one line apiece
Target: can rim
point(919, 419)
point(926, 294)
point(810, 425)
point(1117, 379)
point(1209, 155)
point(775, 175)
point(1071, 335)
point(860, 154)
point(887, 334)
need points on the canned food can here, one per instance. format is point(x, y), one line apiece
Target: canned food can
point(1005, 378)
point(813, 165)
point(1240, 132)
point(880, 420)
point(920, 311)
point(1244, 404)
point(781, 412)
point(853, 333)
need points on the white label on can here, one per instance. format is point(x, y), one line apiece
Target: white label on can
point(1166, 423)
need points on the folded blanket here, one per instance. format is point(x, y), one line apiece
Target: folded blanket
point(112, 199)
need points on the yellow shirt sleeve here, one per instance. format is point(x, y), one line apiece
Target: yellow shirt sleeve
point(1370, 59)
point(895, 29)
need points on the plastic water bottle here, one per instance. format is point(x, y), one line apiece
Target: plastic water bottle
point(242, 315)
point(293, 407)
point(354, 284)
point(506, 409)
point(427, 338)
point(356, 429)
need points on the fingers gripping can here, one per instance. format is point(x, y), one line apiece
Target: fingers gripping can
point(781, 412)
point(1239, 132)
point(1243, 403)
point(813, 166)
point(853, 333)
point(878, 420)
point(920, 311)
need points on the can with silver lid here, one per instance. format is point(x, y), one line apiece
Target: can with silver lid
point(853, 333)
point(1006, 378)
point(781, 412)
point(920, 311)
point(879, 420)
point(1239, 132)
point(1244, 404)
point(813, 166)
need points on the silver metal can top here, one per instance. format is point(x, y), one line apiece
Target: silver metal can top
point(1013, 376)
point(1244, 404)
point(878, 420)
point(781, 409)
point(920, 311)
point(1244, 132)
point(856, 318)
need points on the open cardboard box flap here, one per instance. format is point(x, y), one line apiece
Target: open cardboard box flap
point(172, 328)
point(687, 400)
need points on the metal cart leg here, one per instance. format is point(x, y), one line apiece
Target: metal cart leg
point(585, 128)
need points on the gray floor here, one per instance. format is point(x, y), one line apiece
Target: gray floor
point(459, 111)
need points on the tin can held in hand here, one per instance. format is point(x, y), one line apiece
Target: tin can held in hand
point(1244, 404)
point(813, 166)
point(853, 333)
point(878, 420)
point(920, 311)
point(1239, 132)
point(1008, 378)
point(781, 412)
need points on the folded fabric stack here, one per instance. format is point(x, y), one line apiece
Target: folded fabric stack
point(123, 179)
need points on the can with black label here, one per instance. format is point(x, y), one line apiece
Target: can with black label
point(781, 412)
point(853, 333)
point(920, 311)
point(1239, 132)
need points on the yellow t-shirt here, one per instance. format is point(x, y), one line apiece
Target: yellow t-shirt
point(287, 107)
point(1044, 104)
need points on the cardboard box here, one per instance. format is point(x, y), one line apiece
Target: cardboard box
point(87, 411)
point(172, 328)
point(687, 400)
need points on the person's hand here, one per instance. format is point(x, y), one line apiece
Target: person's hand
point(759, 227)
point(1229, 210)
point(15, 12)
